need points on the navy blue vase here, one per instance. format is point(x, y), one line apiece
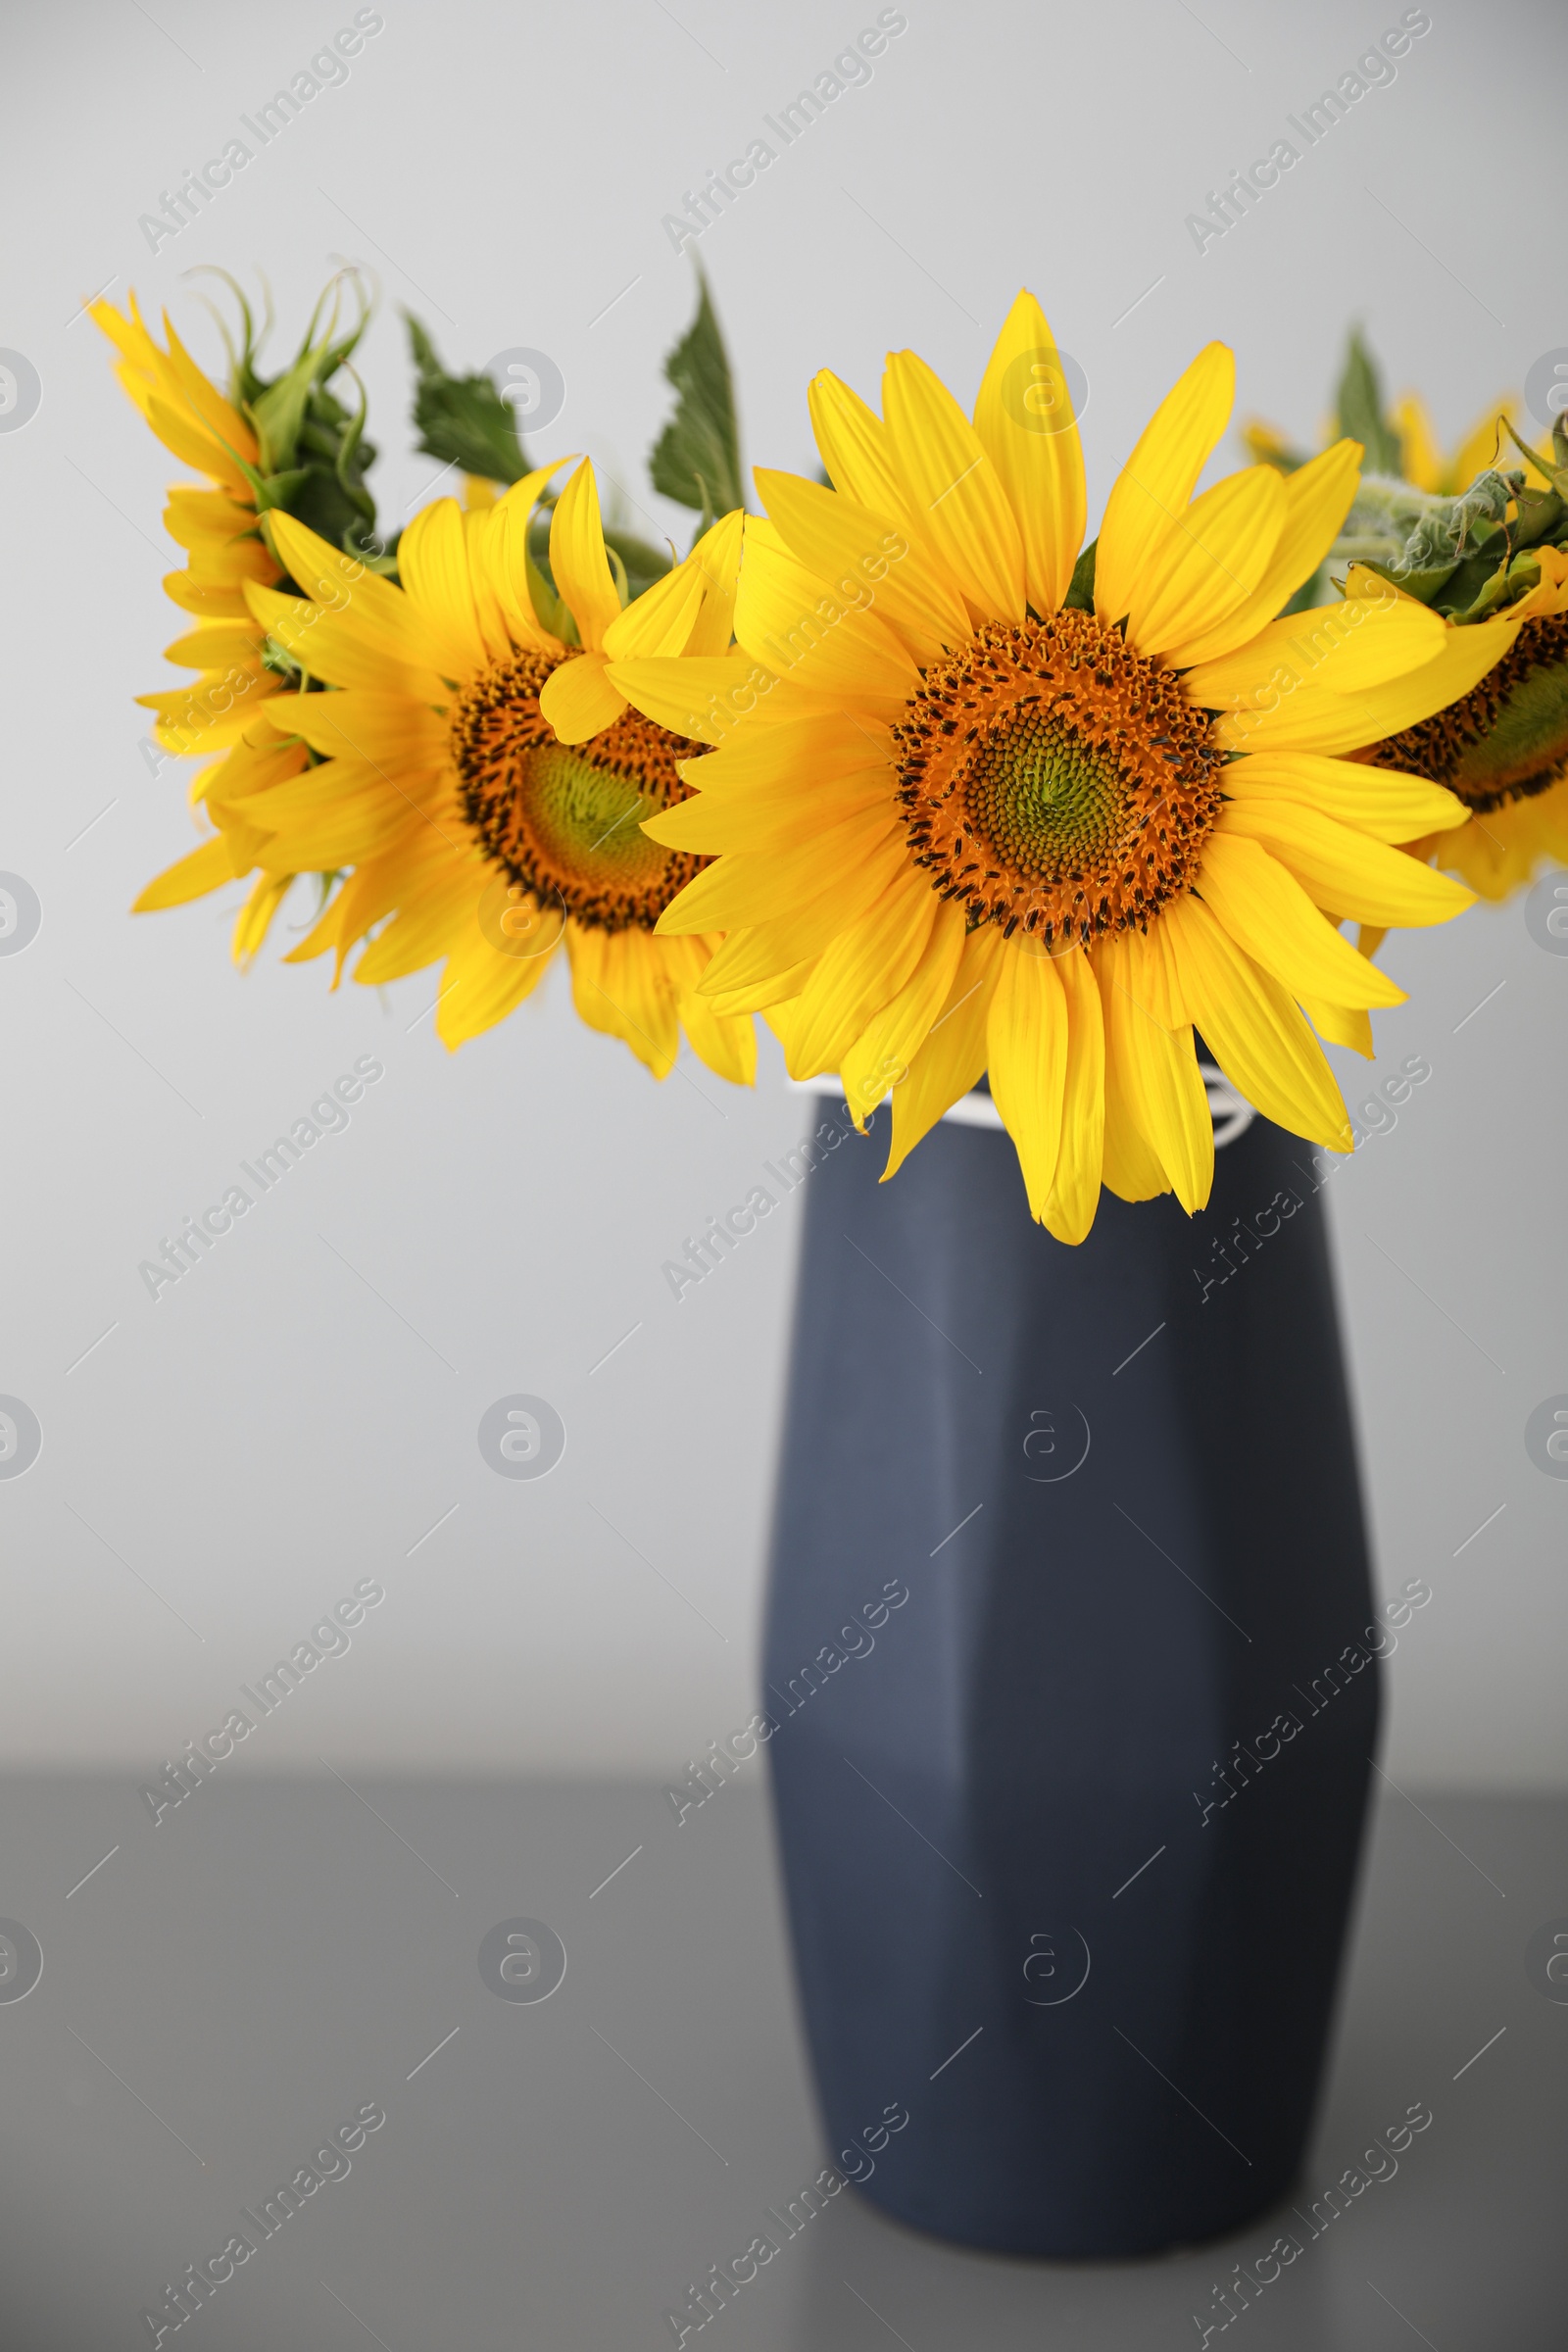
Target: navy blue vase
point(1070, 1656)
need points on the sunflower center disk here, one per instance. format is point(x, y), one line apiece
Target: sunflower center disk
point(1039, 794)
point(564, 821)
point(1507, 737)
point(1053, 778)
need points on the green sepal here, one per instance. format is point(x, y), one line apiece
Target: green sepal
point(1541, 519)
point(552, 612)
point(1080, 596)
point(1425, 586)
point(1286, 457)
point(1359, 403)
point(1309, 593)
point(312, 454)
point(1556, 474)
point(697, 457)
point(279, 411)
point(462, 419)
point(644, 564)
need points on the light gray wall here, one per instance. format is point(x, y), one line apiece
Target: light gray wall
point(226, 1463)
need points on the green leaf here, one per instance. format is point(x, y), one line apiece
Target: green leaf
point(1359, 403)
point(462, 419)
point(697, 457)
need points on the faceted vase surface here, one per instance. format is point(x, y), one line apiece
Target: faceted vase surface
point(1067, 1651)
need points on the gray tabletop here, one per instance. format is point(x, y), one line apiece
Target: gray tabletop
point(280, 1983)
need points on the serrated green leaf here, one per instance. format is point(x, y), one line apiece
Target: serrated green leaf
point(697, 457)
point(462, 419)
point(1361, 415)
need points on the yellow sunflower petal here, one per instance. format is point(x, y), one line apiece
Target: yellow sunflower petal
point(864, 968)
point(1254, 1030)
point(1209, 562)
point(433, 564)
point(390, 732)
point(954, 1054)
point(1377, 801)
point(618, 987)
point(578, 561)
point(1158, 1072)
point(1069, 1210)
point(1420, 454)
point(255, 917)
point(772, 760)
point(868, 560)
point(1338, 649)
point(1129, 1166)
point(357, 596)
point(218, 415)
point(1496, 854)
point(855, 448)
point(190, 877)
point(726, 1045)
point(197, 721)
point(1023, 416)
point(744, 889)
point(717, 557)
point(489, 610)
point(1268, 913)
point(705, 698)
point(504, 555)
point(128, 335)
point(430, 914)
point(217, 645)
point(480, 986)
point(1026, 1050)
point(180, 433)
point(331, 647)
point(1301, 717)
point(578, 699)
point(339, 837)
point(658, 622)
point(1342, 869)
point(954, 487)
point(1340, 1025)
point(879, 1058)
point(713, 822)
point(372, 891)
point(763, 998)
point(787, 617)
point(1156, 482)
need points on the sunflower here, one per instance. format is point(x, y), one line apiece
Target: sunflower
point(980, 803)
point(475, 780)
point(279, 443)
point(1502, 749)
point(225, 552)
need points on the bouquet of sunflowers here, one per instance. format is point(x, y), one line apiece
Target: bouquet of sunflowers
point(901, 762)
